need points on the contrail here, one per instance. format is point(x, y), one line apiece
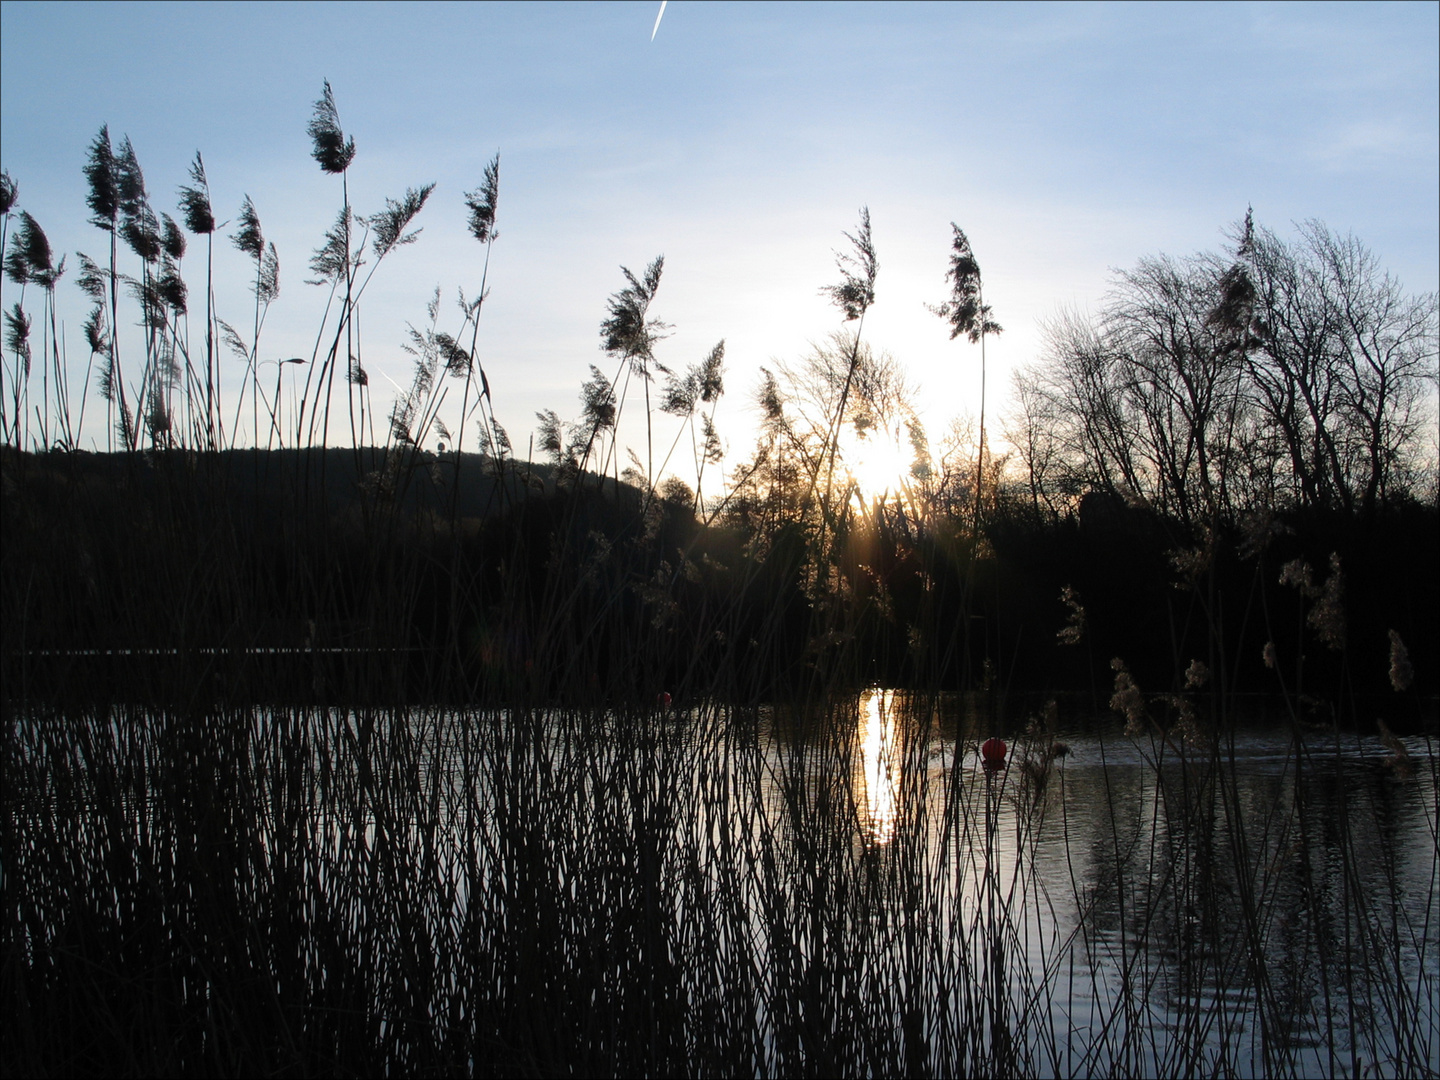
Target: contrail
point(658, 17)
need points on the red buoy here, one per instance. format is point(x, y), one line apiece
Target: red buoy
point(992, 752)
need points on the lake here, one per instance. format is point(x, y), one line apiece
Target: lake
point(837, 888)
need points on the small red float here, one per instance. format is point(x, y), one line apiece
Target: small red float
point(664, 699)
point(992, 752)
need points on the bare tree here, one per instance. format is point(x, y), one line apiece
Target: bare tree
point(1344, 360)
point(1277, 374)
point(1034, 428)
point(1180, 380)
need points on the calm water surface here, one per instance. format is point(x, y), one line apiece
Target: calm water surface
point(1158, 906)
point(843, 888)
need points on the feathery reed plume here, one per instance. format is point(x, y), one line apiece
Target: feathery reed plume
point(141, 231)
point(597, 402)
point(248, 237)
point(195, 200)
point(482, 204)
point(332, 150)
point(968, 314)
point(1327, 617)
point(1298, 574)
point(1257, 529)
point(769, 397)
point(102, 172)
point(94, 329)
point(452, 355)
point(1402, 674)
point(702, 383)
point(1074, 629)
point(1233, 312)
point(334, 153)
point(1399, 760)
point(170, 287)
point(146, 292)
point(267, 284)
point(389, 224)
point(157, 417)
point(626, 332)
point(9, 192)
point(129, 180)
point(1191, 563)
point(174, 296)
point(629, 335)
point(139, 227)
point(552, 436)
point(712, 373)
point(1127, 699)
point(856, 291)
point(172, 239)
point(233, 341)
point(411, 413)
point(92, 279)
point(853, 296)
point(714, 449)
point(598, 414)
point(17, 340)
point(483, 201)
point(29, 257)
point(332, 261)
point(199, 214)
point(17, 343)
point(966, 310)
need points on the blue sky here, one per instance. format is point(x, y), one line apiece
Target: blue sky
point(1067, 140)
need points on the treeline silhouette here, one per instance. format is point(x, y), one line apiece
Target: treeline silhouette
point(209, 578)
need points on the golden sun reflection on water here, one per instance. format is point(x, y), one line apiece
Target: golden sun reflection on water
point(879, 763)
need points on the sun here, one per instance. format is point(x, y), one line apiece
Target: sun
point(875, 461)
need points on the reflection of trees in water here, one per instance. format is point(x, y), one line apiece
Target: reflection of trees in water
point(1207, 885)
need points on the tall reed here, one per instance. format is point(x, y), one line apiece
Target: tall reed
point(708, 891)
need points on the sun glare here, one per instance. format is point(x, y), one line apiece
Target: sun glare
point(876, 462)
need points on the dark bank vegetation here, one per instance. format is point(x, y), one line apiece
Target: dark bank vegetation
point(336, 746)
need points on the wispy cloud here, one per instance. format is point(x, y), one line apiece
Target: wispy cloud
point(1363, 145)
